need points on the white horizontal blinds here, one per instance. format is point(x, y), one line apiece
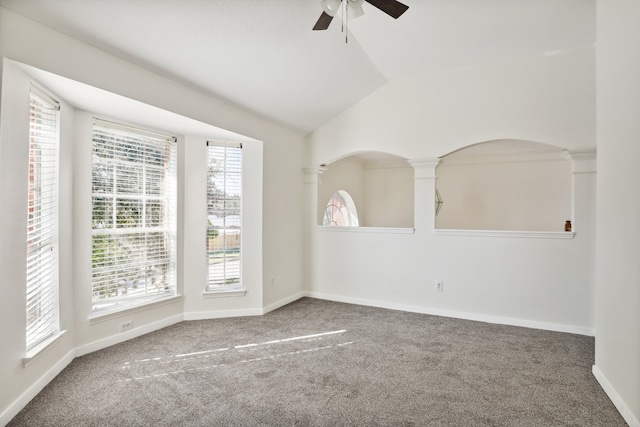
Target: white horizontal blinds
point(42, 222)
point(133, 215)
point(224, 215)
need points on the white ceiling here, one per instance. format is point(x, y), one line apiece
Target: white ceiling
point(262, 55)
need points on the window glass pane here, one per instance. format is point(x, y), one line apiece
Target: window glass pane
point(154, 181)
point(102, 177)
point(154, 213)
point(102, 212)
point(129, 179)
point(128, 213)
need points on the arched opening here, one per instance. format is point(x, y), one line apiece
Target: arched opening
point(381, 185)
point(505, 185)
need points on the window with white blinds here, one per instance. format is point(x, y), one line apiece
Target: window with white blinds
point(42, 223)
point(133, 216)
point(224, 215)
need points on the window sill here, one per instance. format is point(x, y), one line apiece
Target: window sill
point(37, 350)
point(107, 314)
point(383, 230)
point(512, 234)
point(222, 293)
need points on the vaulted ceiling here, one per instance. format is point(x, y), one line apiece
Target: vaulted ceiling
point(263, 56)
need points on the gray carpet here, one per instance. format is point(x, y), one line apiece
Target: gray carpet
point(320, 363)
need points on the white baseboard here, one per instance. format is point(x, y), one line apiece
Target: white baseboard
point(219, 314)
point(281, 303)
point(615, 398)
point(32, 391)
point(124, 336)
point(456, 314)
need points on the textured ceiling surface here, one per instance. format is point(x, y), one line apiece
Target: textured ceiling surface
point(262, 55)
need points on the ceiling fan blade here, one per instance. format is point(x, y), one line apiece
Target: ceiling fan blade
point(323, 21)
point(392, 8)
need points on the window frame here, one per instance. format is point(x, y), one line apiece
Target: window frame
point(42, 233)
point(235, 288)
point(148, 145)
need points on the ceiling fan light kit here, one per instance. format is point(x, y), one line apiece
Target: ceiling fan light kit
point(353, 9)
point(330, 7)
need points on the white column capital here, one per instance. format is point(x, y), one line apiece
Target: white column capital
point(424, 168)
point(583, 160)
point(312, 175)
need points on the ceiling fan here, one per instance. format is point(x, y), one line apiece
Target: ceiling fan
point(353, 8)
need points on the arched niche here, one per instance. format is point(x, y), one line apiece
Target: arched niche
point(504, 184)
point(380, 184)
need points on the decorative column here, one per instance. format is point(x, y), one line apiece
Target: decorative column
point(583, 183)
point(424, 217)
point(311, 182)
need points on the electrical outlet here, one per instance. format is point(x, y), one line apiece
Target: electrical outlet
point(125, 326)
point(439, 286)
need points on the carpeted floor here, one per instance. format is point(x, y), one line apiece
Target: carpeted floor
point(320, 363)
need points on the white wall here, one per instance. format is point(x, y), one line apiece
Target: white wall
point(496, 192)
point(617, 302)
point(545, 99)
point(536, 280)
point(195, 271)
point(279, 244)
point(14, 158)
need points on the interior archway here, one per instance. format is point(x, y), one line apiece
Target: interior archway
point(381, 186)
point(505, 184)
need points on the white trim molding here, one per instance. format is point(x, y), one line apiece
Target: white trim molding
point(107, 314)
point(26, 397)
point(220, 314)
point(507, 233)
point(583, 160)
point(615, 397)
point(281, 303)
point(225, 293)
point(312, 175)
point(477, 317)
point(424, 168)
point(37, 350)
point(127, 335)
point(381, 230)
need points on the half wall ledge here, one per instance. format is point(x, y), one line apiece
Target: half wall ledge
point(382, 230)
point(507, 233)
